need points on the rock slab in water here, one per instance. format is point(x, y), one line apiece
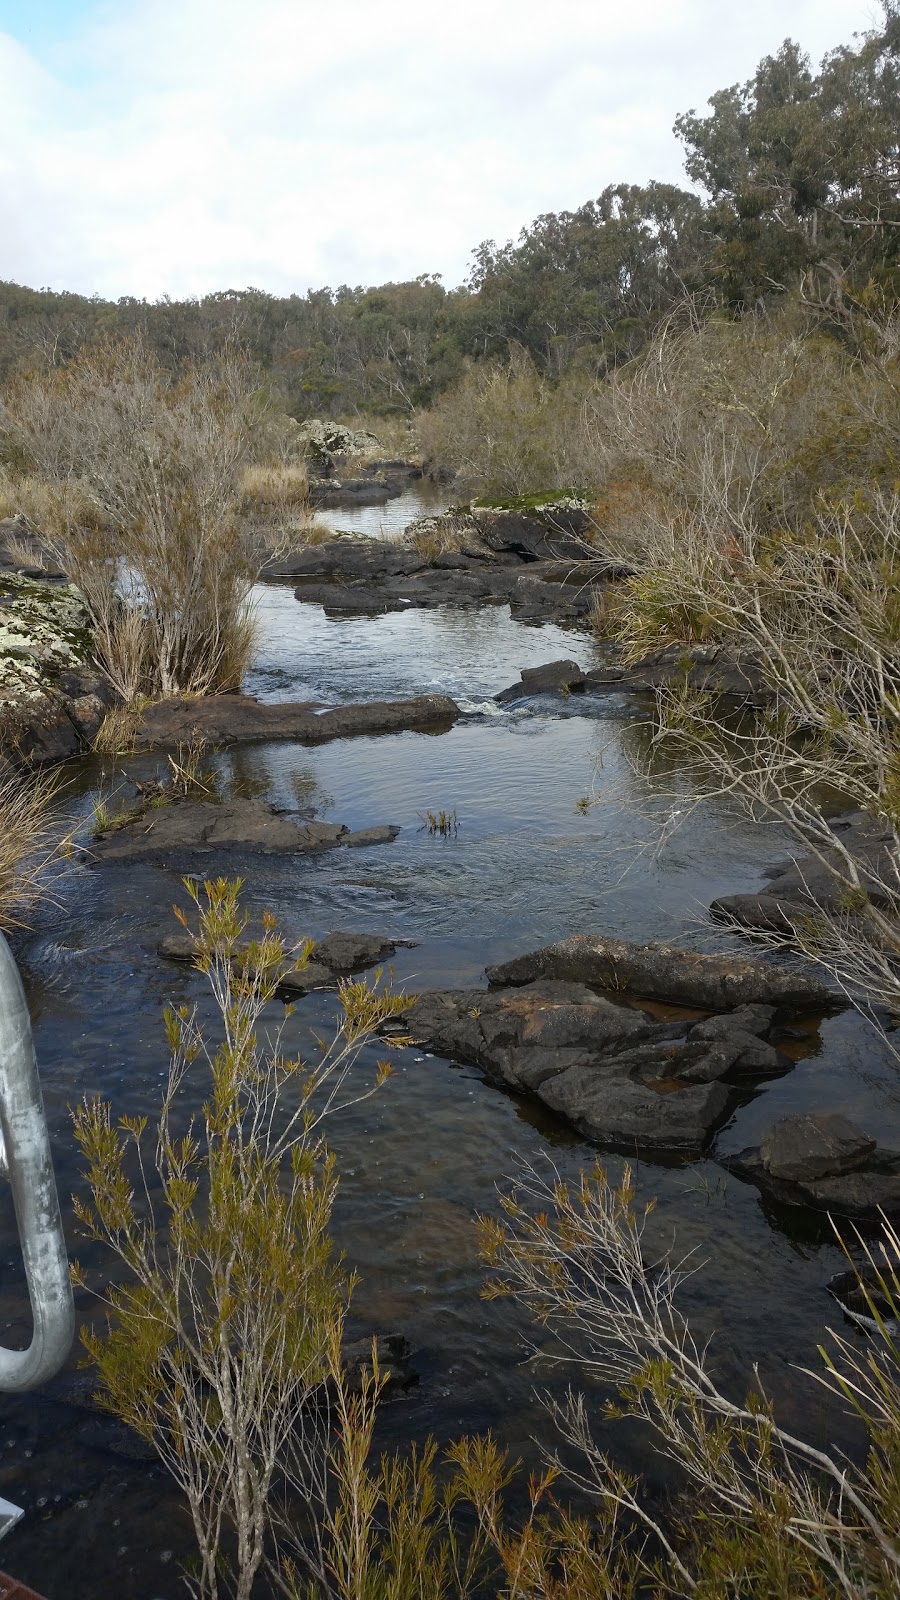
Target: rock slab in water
point(822, 1160)
point(352, 952)
point(619, 1076)
point(182, 830)
point(335, 955)
point(226, 719)
point(665, 972)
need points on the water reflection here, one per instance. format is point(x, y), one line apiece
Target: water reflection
point(427, 1153)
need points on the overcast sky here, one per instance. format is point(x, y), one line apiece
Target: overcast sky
point(155, 147)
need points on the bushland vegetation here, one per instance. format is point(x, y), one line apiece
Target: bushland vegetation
point(222, 1348)
point(142, 479)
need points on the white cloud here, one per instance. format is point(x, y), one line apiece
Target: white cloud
point(186, 145)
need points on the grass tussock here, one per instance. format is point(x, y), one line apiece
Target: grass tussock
point(29, 843)
point(274, 486)
point(157, 542)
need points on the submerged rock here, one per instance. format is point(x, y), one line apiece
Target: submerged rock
point(183, 829)
point(665, 972)
point(621, 1077)
point(226, 719)
point(352, 952)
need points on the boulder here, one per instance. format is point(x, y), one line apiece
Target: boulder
point(819, 1144)
point(555, 677)
point(665, 972)
point(227, 719)
point(823, 1161)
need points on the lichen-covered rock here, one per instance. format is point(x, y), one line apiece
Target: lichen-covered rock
point(44, 628)
point(52, 697)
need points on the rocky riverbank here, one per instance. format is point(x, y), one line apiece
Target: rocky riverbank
point(534, 560)
point(52, 698)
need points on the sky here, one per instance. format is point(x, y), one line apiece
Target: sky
point(153, 147)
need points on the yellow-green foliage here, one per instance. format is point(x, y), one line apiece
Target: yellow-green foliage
point(228, 1322)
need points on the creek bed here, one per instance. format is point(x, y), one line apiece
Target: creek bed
point(421, 1158)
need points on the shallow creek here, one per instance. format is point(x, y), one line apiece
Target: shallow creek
point(422, 1157)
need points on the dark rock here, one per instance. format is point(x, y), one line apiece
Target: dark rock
point(812, 1145)
point(823, 1161)
point(620, 1077)
point(553, 678)
point(178, 947)
point(293, 981)
point(664, 972)
point(861, 1297)
point(352, 952)
point(302, 980)
point(39, 732)
point(741, 1031)
point(799, 887)
point(359, 598)
point(545, 533)
point(239, 719)
point(347, 558)
point(767, 913)
point(616, 1110)
point(392, 1352)
point(361, 838)
point(604, 677)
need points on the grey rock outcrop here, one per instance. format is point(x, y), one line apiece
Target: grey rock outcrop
point(665, 972)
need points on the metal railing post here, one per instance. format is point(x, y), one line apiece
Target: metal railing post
point(29, 1164)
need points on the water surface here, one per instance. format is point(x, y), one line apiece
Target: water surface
point(420, 1159)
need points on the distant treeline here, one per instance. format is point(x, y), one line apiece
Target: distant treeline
point(798, 176)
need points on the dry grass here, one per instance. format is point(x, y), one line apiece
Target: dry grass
point(28, 843)
point(438, 536)
point(274, 486)
point(24, 552)
point(46, 506)
point(117, 733)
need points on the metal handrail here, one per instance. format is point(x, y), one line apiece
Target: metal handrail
point(25, 1155)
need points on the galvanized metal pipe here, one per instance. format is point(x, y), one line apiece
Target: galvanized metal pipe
point(30, 1167)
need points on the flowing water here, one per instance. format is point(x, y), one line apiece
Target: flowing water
point(421, 499)
point(422, 1157)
